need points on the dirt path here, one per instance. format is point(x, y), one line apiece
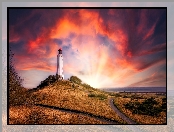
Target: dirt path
point(125, 118)
point(103, 119)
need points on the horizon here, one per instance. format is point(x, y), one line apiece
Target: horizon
point(104, 48)
point(139, 87)
point(131, 87)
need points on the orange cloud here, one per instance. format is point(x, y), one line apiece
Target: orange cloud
point(30, 64)
point(89, 37)
point(80, 22)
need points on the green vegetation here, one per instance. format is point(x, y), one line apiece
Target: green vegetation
point(86, 85)
point(49, 80)
point(100, 96)
point(75, 80)
point(147, 107)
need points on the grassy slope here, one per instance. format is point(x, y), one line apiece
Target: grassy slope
point(141, 119)
point(63, 94)
point(38, 115)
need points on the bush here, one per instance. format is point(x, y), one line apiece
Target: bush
point(86, 85)
point(146, 108)
point(150, 101)
point(91, 95)
point(100, 96)
point(75, 80)
point(49, 80)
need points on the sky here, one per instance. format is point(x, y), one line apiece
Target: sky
point(104, 47)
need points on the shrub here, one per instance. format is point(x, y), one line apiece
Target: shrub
point(86, 85)
point(49, 80)
point(146, 108)
point(91, 95)
point(150, 101)
point(75, 80)
point(100, 96)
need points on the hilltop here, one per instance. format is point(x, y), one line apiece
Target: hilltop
point(64, 102)
point(73, 102)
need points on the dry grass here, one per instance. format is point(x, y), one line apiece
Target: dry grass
point(63, 95)
point(141, 119)
point(39, 115)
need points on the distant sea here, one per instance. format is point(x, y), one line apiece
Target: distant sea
point(135, 89)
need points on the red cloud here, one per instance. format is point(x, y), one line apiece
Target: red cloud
point(150, 32)
point(85, 25)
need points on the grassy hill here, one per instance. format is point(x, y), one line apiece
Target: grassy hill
point(65, 95)
point(73, 102)
point(70, 101)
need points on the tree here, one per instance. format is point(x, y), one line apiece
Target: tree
point(14, 78)
point(17, 94)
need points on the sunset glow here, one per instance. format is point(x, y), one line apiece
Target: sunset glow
point(103, 47)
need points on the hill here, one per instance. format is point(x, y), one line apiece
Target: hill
point(73, 102)
point(64, 102)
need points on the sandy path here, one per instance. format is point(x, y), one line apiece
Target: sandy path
point(125, 118)
point(103, 119)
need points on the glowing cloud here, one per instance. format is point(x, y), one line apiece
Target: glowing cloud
point(103, 47)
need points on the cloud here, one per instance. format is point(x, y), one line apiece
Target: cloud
point(155, 80)
point(155, 49)
point(113, 44)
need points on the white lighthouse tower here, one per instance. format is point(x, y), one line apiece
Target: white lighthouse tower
point(60, 65)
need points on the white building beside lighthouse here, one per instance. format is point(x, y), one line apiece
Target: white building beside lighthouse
point(60, 65)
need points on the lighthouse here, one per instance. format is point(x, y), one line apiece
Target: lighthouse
point(60, 65)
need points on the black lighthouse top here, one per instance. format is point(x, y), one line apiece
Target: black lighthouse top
point(60, 51)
